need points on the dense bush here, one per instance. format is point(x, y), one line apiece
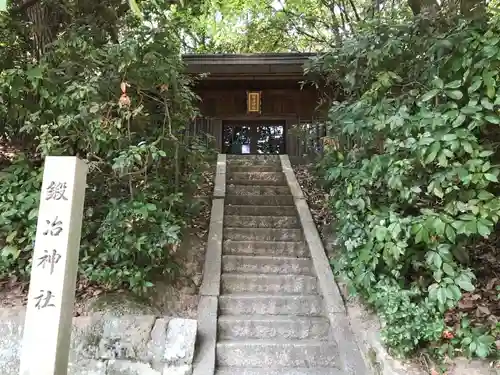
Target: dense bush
point(142, 167)
point(411, 168)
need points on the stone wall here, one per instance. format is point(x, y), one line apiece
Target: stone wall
point(103, 344)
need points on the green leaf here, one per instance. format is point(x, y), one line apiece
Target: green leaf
point(450, 233)
point(469, 110)
point(442, 160)
point(454, 84)
point(380, 233)
point(486, 153)
point(35, 73)
point(441, 296)
point(135, 8)
point(483, 229)
point(438, 191)
point(491, 177)
point(494, 119)
point(465, 283)
point(433, 150)
point(459, 120)
point(482, 351)
point(467, 147)
point(32, 214)
point(12, 251)
point(437, 260)
point(487, 104)
point(489, 82)
point(486, 340)
point(422, 235)
point(429, 95)
point(448, 270)
point(454, 94)
point(450, 137)
point(439, 226)
point(455, 291)
point(11, 237)
point(485, 195)
point(438, 82)
point(476, 83)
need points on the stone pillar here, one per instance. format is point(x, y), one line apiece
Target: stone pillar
point(47, 329)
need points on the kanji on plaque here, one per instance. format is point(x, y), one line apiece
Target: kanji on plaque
point(54, 227)
point(56, 191)
point(49, 260)
point(43, 300)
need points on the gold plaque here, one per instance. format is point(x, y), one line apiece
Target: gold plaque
point(253, 101)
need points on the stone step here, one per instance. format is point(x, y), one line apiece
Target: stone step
point(267, 264)
point(256, 178)
point(259, 283)
point(277, 353)
point(254, 182)
point(254, 221)
point(283, 248)
point(260, 210)
point(279, 371)
point(259, 200)
point(267, 327)
point(253, 158)
point(270, 304)
point(262, 234)
point(253, 168)
point(248, 163)
point(254, 190)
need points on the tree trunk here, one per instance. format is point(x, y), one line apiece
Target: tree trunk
point(424, 7)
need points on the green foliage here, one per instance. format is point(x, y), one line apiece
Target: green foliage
point(413, 177)
point(473, 341)
point(397, 308)
point(142, 166)
point(19, 200)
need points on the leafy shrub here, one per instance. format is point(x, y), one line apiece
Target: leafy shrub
point(412, 173)
point(123, 107)
point(19, 200)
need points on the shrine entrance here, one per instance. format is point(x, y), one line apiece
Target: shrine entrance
point(254, 137)
point(258, 103)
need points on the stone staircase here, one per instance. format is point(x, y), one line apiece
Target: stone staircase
point(271, 317)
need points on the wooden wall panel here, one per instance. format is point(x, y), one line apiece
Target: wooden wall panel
point(227, 103)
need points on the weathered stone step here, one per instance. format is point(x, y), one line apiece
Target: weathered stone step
point(253, 158)
point(262, 234)
point(259, 200)
point(277, 353)
point(259, 283)
point(254, 182)
point(267, 327)
point(254, 221)
point(254, 190)
point(256, 178)
point(260, 210)
point(279, 371)
point(253, 168)
point(283, 248)
point(270, 304)
point(266, 264)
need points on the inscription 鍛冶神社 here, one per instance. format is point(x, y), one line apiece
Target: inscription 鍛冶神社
point(54, 268)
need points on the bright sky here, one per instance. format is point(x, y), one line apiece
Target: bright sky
point(276, 4)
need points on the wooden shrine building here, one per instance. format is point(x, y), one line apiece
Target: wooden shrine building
point(256, 103)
